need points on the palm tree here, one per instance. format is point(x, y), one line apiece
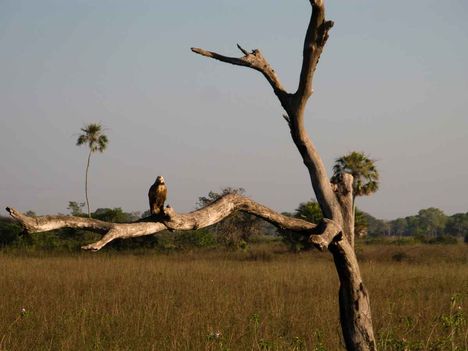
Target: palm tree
point(363, 170)
point(95, 139)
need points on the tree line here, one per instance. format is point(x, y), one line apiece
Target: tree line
point(430, 222)
point(240, 229)
point(237, 230)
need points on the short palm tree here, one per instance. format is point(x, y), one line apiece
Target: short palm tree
point(95, 139)
point(363, 170)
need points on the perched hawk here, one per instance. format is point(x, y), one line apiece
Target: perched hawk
point(157, 195)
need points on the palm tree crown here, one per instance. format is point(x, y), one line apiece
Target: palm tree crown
point(97, 141)
point(363, 170)
point(94, 137)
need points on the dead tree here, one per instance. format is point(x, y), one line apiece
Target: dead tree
point(335, 232)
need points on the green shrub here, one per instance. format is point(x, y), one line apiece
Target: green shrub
point(401, 256)
point(194, 238)
point(445, 239)
point(9, 231)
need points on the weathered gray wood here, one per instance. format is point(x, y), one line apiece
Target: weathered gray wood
point(343, 188)
point(355, 311)
point(321, 235)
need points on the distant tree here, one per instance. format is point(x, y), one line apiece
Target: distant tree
point(114, 215)
point(236, 230)
point(76, 209)
point(10, 231)
point(95, 139)
point(213, 196)
point(412, 226)
point(310, 211)
point(372, 224)
point(399, 226)
point(431, 221)
point(375, 226)
point(360, 223)
point(297, 241)
point(457, 224)
point(428, 222)
point(363, 170)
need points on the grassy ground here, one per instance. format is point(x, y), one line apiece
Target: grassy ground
point(254, 300)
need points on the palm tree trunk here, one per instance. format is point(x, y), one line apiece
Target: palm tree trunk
point(354, 216)
point(86, 184)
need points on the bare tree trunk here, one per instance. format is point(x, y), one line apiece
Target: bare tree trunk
point(355, 312)
point(86, 183)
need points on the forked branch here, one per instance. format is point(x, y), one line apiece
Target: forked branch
point(172, 220)
point(256, 61)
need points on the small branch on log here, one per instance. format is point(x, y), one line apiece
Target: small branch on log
point(245, 52)
point(171, 220)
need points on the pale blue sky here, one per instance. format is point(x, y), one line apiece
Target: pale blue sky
point(393, 82)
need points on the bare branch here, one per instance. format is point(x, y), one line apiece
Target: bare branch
point(245, 52)
point(171, 220)
point(315, 39)
point(232, 60)
point(256, 61)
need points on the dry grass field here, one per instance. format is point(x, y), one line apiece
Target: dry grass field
point(253, 300)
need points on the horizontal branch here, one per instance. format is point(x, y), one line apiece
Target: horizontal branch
point(172, 220)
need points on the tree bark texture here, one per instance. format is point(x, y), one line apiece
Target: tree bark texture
point(335, 232)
